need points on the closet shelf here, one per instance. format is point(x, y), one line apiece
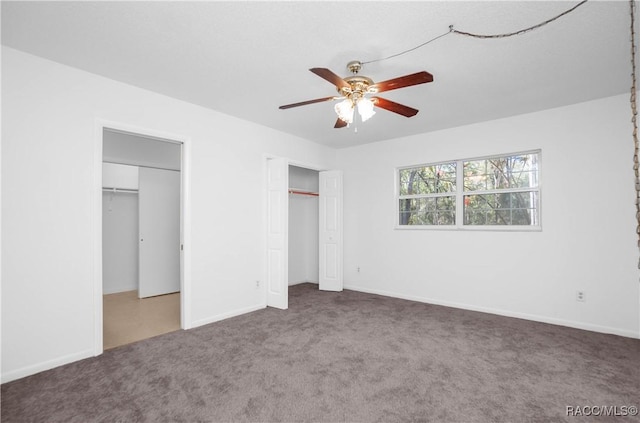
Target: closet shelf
point(297, 191)
point(120, 190)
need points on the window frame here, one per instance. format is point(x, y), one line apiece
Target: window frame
point(460, 193)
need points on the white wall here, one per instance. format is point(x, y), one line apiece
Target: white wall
point(303, 227)
point(49, 145)
point(588, 218)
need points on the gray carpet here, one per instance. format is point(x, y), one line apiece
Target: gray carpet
point(341, 357)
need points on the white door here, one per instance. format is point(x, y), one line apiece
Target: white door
point(330, 216)
point(277, 233)
point(159, 227)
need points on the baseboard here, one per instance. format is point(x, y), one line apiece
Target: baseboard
point(299, 282)
point(119, 289)
point(47, 365)
point(499, 312)
point(227, 315)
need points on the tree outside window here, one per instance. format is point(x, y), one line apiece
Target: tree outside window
point(496, 191)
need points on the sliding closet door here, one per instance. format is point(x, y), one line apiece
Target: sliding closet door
point(159, 226)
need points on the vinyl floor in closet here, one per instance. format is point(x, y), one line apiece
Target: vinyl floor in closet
point(128, 319)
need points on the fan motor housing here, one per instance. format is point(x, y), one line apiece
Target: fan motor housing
point(358, 85)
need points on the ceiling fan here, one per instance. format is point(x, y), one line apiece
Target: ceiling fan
point(354, 90)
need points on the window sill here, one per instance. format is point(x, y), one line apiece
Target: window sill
point(474, 228)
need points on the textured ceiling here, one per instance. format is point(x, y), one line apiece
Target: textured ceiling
point(247, 58)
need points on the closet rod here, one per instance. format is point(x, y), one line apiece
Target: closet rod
point(122, 190)
point(295, 191)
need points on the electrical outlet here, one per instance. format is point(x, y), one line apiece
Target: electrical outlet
point(358, 269)
point(581, 296)
point(257, 284)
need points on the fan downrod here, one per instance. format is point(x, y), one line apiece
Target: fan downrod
point(354, 66)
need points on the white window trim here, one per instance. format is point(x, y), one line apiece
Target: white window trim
point(460, 193)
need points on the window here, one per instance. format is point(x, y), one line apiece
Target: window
point(428, 195)
point(501, 191)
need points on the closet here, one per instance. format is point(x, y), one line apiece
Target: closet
point(119, 228)
point(141, 230)
point(303, 225)
point(141, 214)
point(303, 230)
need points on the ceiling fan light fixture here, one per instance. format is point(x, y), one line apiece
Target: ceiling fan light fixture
point(365, 108)
point(354, 89)
point(344, 110)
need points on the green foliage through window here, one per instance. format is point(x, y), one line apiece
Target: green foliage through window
point(496, 191)
point(428, 180)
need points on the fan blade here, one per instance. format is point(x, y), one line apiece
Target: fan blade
point(394, 107)
point(403, 81)
point(340, 123)
point(304, 103)
point(331, 77)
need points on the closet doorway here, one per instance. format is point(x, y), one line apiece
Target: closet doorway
point(304, 229)
point(303, 225)
point(141, 236)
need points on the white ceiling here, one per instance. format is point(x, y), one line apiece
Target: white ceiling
point(247, 58)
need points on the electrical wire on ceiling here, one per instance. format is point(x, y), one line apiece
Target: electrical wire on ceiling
point(522, 31)
point(634, 114)
point(469, 34)
point(411, 49)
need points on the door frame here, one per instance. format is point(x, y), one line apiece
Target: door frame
point(185, 220)
point(265, 207)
